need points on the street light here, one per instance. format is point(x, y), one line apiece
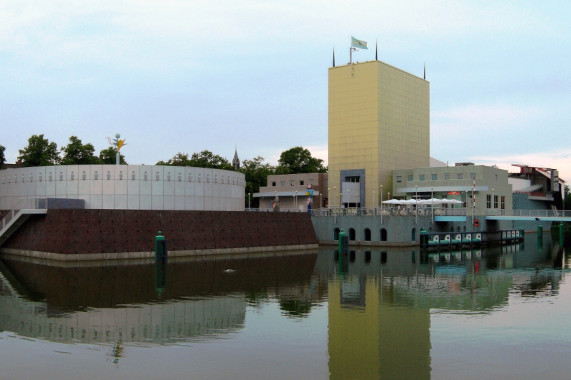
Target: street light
point(432, 201)
point(416, 203)
point(295, 201)
point(381, 204)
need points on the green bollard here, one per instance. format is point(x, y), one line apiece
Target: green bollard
point(539, 231)
point(160, 248)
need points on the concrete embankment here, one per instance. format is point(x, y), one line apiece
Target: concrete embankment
point(123, 234)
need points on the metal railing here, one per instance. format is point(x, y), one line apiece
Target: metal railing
point(29, 203)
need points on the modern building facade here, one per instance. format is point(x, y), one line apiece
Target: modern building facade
point(294, 191)
point(129, 187)
point(482, 189)
point(379, 120)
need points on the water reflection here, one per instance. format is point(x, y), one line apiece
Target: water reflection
point(142, 304)
point(381, 301)
point(368, 314)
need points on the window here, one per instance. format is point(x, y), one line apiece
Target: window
point(495, 201)
point(273, 183)
point(460, 175)
point(472, 175)
point(503, 202)
point(488, 201)
point(301, 182)
point(96, 175)
point(133, 175)
point(421, 177)
point(446, 176)
point(399, 179)
point(282, 183)
point(410, 177)
point(434, 177)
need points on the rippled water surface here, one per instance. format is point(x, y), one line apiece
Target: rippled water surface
point(382, 313)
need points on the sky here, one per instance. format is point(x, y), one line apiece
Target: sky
point(190, 75)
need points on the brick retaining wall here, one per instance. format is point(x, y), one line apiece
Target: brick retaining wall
point(113, 231)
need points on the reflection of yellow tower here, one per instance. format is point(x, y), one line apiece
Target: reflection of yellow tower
point(379, 120)
point(370, 338)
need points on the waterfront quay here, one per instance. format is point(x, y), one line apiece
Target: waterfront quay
point(402, 227)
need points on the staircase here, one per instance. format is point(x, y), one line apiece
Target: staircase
point(15, 219)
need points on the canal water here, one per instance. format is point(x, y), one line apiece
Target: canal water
point(497, 313)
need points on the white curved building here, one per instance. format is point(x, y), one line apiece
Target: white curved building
point(129, 187)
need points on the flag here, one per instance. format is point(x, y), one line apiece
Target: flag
point(358, 43)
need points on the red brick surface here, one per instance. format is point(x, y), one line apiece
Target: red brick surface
point(106, 231)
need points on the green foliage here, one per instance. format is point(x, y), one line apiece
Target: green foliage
point(179, 159)
point(256, 173)
point(2, 157)
point(299, 160)
point(109, 156)
point(295, 308)
point(75, 153)
point(204, 159)
point(39, 152)
point(567, 201)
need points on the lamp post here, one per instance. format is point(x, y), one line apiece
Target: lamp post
point(416, 203)
point(295, 201)
point(381, 204)
point(432, 203)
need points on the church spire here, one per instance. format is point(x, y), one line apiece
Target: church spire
point(236, 160)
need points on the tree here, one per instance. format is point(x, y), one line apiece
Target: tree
point(2, 157)
point(256, 173)
point(567, 201)
point(109, 156)
point(76, 153)
point(299, 160)
point(179, 159)
point(207, 159)
point(39, 152)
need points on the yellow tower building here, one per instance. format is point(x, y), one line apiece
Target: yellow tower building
point(379, 120)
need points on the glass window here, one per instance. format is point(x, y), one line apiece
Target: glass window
point(472, 175)
point(503, 202)
point(282, 183)
point(301, 182)
point(399, 178)
point(434, 177)
point(410, 177)
point(460, 175)
point(488, 201)
point(421, 177)
point(446, 176)
point(274, 183)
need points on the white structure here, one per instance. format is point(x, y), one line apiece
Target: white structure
point(129, 187)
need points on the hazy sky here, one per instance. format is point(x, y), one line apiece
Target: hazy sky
point(183, 76)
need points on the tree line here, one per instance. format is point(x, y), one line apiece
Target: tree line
point(41, 152)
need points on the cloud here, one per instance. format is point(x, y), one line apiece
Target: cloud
point(557, 159)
